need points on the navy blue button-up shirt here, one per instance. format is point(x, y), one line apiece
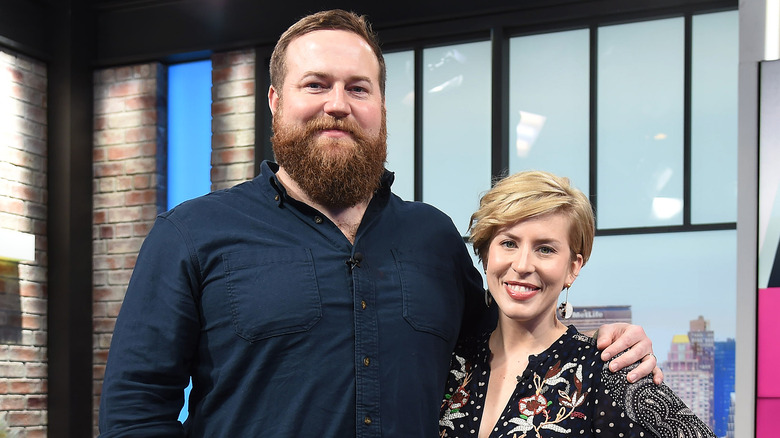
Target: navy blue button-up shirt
point(287, 328)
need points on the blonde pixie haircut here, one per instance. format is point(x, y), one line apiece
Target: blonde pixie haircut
point(530, 194)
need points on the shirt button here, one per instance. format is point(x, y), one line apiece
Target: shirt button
point(317, 220)
point(363, 305)
point(276, 198)
point(367, 420)
point(366, 361)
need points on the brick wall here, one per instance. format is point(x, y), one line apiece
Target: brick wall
point(23, 293)
point(233, 112)
point(129, 158)
point(130, 142)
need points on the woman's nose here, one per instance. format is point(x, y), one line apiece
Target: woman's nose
point(522, 262)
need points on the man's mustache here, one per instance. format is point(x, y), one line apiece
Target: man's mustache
point(324, 123)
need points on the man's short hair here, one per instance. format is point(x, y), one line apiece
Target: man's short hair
point(335, 19)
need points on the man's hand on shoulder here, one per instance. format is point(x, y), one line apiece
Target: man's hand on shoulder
point(617, 337)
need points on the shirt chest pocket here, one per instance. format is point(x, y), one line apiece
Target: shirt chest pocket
point(272, 293)
point(432, 297)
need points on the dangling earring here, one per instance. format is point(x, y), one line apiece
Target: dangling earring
point(566, 308)
point(488, 297)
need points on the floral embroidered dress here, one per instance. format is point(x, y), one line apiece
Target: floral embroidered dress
point(566, 391)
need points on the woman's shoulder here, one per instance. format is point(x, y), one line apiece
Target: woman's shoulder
point(579, 337)
point(579, 345)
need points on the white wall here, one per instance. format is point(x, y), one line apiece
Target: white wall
point(752, 30)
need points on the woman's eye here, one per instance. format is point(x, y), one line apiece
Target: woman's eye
point(546, 250)
point(508, 244)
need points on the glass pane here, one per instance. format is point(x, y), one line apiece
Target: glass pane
point(769, 177)
point(189, 131)
point(189, 142)
point(640, 124)
point(549, 94)
point(399, 99)
point(682, 277)
point(456, 128)
point(715, 65)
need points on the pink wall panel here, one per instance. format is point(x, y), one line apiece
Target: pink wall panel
point(768, 342)
point(766, 417)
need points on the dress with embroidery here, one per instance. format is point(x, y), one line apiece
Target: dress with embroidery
point(566, 391)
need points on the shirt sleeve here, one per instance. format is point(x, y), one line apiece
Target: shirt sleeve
point(154, 341)
point(642, 409)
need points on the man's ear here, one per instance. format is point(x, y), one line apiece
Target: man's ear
point(273, 99)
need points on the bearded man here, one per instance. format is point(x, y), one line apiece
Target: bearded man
point(310, 301)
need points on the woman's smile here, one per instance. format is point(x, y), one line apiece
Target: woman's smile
point(520, 291)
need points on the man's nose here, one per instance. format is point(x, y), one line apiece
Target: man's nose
point(338, 103)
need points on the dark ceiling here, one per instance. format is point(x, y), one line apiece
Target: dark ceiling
point(128, 31)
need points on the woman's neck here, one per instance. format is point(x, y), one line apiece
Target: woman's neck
point(510, 345)
point(516, 341)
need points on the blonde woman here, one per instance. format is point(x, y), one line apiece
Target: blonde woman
point(533, 376)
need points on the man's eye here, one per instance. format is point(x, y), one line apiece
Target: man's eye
point(314, 86)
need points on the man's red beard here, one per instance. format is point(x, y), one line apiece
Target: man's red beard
point(333, 172)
